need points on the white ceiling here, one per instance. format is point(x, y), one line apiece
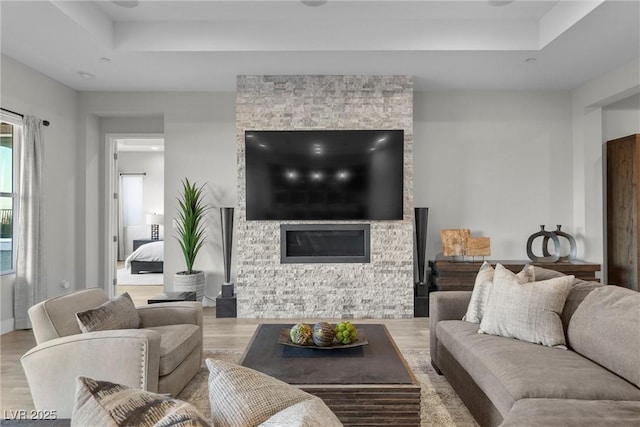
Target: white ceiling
point(146, 144)
point(163, 45)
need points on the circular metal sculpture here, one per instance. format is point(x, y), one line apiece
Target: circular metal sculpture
point(572, 245)
point(546, 235)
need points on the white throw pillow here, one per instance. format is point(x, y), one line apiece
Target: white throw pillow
point(241, 396)
point(526, 311)
point(482, 288)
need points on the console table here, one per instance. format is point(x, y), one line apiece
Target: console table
point(461, 275)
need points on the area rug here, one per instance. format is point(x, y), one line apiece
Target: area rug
point(440, 405)
point(125, 277)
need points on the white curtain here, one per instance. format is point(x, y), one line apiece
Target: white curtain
point(131, 208)
point(30, 285)
point(121, 242)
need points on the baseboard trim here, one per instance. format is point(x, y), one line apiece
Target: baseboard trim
point(7, 326)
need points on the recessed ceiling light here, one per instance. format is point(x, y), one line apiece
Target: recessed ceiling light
point(500, 2)
point(313, 3)
point(530, 60)
point(126, 3)
point(85, 75)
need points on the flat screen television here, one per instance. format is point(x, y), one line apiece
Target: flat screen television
point(324, 174)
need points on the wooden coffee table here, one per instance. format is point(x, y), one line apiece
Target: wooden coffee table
point(368, 385)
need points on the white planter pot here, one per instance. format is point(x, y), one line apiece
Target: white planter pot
point(194, 282)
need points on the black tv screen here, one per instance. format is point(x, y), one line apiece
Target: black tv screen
point(324, 174)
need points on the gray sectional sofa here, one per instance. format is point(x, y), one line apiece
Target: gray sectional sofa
point(508, 382)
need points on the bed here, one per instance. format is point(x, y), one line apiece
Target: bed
point(148, 258)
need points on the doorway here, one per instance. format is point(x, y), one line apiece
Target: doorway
point(136, 215)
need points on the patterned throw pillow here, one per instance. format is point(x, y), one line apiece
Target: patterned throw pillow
point(119, 313)
point(242, 397)
point(482, 288)
point(101, 403)
point(526, 311)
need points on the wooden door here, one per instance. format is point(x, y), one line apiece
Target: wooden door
point(623, 210)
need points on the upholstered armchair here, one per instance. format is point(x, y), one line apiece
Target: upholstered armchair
point(162, 355)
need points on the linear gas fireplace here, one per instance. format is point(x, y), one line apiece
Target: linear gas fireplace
point(325, 243)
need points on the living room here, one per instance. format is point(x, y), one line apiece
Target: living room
point(500, 143)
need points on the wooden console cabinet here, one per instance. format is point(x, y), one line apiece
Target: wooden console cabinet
point(461, 276)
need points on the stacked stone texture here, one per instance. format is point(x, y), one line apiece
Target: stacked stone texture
point(383, 288)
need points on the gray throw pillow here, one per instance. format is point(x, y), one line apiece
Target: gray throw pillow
point(526, 311)
point(119, 313)
point(101, 403)
point(482, 288)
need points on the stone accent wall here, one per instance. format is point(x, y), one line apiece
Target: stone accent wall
point(382, 288)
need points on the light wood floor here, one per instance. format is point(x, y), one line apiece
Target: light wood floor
point(230, 334)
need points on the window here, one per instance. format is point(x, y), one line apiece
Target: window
point(10, 132)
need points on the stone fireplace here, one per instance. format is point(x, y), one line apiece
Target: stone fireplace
point(372, 275)
point(325, 243)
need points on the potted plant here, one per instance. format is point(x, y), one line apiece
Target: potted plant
point(191, 237)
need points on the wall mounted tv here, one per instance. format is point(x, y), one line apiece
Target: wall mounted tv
point(324, 174)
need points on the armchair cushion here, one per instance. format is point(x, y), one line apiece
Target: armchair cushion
point(178, 341)
point(106, 404)
point(119, 313)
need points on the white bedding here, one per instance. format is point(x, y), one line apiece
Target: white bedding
point(153, 251)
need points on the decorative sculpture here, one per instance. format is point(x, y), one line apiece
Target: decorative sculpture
point(421, 215)
point(572, 245)
point(547, 257)
point(458, 242)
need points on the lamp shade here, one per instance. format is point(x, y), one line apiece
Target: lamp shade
point(155, 218)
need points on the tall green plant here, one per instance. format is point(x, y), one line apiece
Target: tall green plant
point(190, 222)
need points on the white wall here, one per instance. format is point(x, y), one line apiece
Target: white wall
point(498, 163)
point(589, 134)
point(199, 133)
point(29, 92)
point(621, 118)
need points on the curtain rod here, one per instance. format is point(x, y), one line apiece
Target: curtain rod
point(44, 122)
point(132, 173)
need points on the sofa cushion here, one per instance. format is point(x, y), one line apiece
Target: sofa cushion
point(526, 311)
point(176, 343)
point(508, 370)
point(573, 413)
point(482, 288)
point(240, 397)
point(119, 313)
point(101, 403)
point(605, 328)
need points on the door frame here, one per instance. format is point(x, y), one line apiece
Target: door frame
point(111, 193)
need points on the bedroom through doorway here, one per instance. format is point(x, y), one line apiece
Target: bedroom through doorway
point(138, 216)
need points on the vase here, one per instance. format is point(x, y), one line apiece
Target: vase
point(226, 228)
point(194, 282)
point(572, 245)
point(421, 216)
point(546, 235)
